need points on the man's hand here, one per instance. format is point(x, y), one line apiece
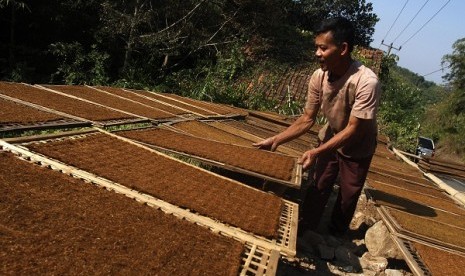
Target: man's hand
point(267, 144)
point(308, 158)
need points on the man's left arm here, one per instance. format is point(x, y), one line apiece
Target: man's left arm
point(353, 131)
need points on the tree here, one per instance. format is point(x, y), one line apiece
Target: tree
point(309, 13)
point(456, 63)
point(14, 6)
point(445, 121)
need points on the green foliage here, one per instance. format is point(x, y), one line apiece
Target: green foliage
point(456, 63)
point(311, 12)
point(444, 118)
point(399, 113)
point(149, 43)
point(406, 105)
point(219, 82)
point(291, 107)
point(445, 123)
point(78, 67)
point(129, 126)
point(21, 71)
point(27, 133)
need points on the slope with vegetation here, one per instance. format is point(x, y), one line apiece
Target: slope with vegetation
point(215, 51)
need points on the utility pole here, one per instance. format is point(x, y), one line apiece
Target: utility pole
point(390, 47)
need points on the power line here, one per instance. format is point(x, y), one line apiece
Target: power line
point(410, 21)
point(394, 22)
point(425, 23)
point(441, 69)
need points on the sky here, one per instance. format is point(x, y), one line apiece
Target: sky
point(422, 52)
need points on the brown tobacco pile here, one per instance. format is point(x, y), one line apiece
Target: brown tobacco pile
point(429, 227)
point(175, 103)
point(60, 103)
point(394, 196)
point(170, 180)
point(110, 101)
point(141, 99)
point(263, 162)
point(12, 112)
point(51, 223)
point(207, 131)
point(440, 262)
point(430, 190)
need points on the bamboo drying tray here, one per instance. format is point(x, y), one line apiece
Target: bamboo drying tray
point(285, 244)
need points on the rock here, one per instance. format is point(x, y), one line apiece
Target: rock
point(357, 220)
point(393, 272)
point(373, 263)
point(379, 243)
point(335, 269)
point(370, 221)
point(326, 252)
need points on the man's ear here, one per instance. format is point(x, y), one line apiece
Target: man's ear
point(344, 48)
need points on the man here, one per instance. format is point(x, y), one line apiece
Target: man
point(348, 94)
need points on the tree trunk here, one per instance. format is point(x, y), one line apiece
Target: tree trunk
point(130, 42)
point(165, 61)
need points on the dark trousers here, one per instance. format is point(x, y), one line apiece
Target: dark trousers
point(352, 174)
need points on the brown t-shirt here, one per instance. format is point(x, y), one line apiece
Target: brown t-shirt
point(357, 93)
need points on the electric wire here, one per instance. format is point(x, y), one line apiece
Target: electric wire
point(393, 23)
point(435, 71)
point(425, 23)
point(410, 21)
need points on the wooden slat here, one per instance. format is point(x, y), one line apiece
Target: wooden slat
point(267, 262)
point(412, 259)
point(45, 126)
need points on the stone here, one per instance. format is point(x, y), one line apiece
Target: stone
point(370, 221)
point(393, 272)
point(379, 242)
point(357, 220)
point(373, 263)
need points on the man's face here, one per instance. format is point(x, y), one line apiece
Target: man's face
point(328, 53)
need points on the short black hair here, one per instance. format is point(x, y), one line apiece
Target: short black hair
point(341, 28)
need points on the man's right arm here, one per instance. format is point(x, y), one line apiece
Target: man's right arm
point(299, 127)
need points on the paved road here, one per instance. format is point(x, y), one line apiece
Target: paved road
point(455, 183)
